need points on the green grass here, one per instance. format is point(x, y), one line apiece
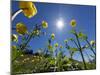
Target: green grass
point(30, 63)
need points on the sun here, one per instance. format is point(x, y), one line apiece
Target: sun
point(60, 24)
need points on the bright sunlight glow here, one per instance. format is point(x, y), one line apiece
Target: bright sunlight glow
point(60, 24)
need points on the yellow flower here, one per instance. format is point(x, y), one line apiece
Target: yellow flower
point(92, 42)
point(49, 47)
point(27, 58)
point(23, 61)
point(21, 28)
point(28, 8)
point(53, 36)
point(14, 47)
point(44, 24)
point(73, 23)
point(86, 46)
point(61, 46)
point(56, 45)
point(40, 57)
point(34, 56)
point(33, 60)
point(66, 41)
point(36, 32)
point(22, 55)
point(80, 34)
point(14, 38)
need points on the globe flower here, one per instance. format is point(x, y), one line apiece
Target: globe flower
point(33, 60)
point(27, 58)
point(23, 61)
point(52, 36)
point(14, 38)
point(14, 47)
point(86, 46)
point(28, 8)
point(22, 55)
point(44, 24)
point(36, 32)
point(66, 41)
point(49, 47)
point(80, 34)
point(92, 42)
point(34, 56)
point(56, 44)
point(71, 39)
point(73, 23)
point(21, 28)
point(61, 46)
point(40, 57)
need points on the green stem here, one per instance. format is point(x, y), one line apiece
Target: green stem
point(24, 46)
point(80, 49)
point(75, 43)
point(27, 41)
point(91, 47)
point(71, 55)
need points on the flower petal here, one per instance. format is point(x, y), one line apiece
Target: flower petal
point(28, 8)
point(21, 28)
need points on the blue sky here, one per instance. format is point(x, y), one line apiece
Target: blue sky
point(85, 17)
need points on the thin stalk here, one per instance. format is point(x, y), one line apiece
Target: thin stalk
point(75, 43)
point(80, 49)
point(71, 55)
point(55, 55)
point(22, 48)
point(27, 41)
point(13, 17)
point(91, 47)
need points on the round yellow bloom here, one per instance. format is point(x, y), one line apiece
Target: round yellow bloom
point(22, 55)
point(92, 42)
point(28, 8)
point(36, 32)
point(33, 60)
point(80, 34)
point(40, 57)
point(49, 47)
point(66, 41)
point(14, 38)
point(44, 24)
point(21, 28)
point(56, 45)
point(53, 36)
point(86, 46)
point(73, 23)
point(61, 46)
point(14, 47)
point(27, 58)
point(23, 61)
